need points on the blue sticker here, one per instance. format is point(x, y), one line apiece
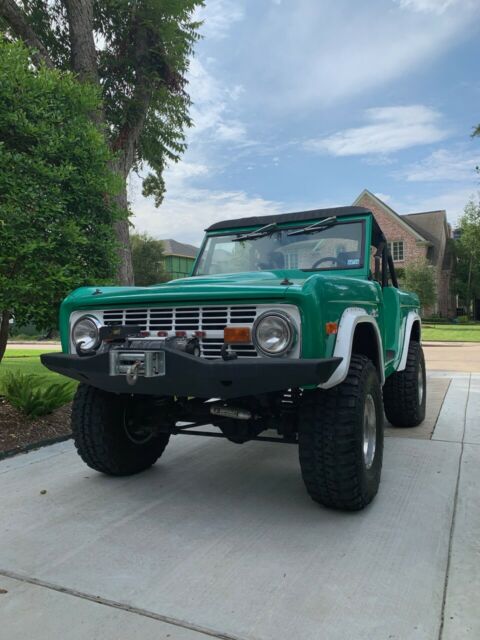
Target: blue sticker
point(352, 261)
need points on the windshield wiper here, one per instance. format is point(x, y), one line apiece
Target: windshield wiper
point(326, 223)
point(259, 233)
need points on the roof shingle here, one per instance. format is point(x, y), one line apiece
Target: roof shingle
point(173, 248)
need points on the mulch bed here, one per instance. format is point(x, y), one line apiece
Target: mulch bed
point(19, 433)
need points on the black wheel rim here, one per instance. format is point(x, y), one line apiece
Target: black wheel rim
point(138, 434)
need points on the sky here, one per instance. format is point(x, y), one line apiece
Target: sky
point(301, 104)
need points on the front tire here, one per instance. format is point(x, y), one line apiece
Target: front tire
point(110, 434)
point(405, 392)
point(341, 439)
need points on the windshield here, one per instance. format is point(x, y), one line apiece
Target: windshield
point(335, 247)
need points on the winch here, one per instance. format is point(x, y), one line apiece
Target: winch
point(145, 358)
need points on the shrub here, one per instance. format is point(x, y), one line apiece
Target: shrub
point(35, 397)
point(420, 278)
point(437, 320)
point(57, 205)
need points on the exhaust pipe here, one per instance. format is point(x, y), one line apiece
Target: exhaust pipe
point(231, 412)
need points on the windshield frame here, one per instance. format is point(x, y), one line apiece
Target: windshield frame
point(363, 221)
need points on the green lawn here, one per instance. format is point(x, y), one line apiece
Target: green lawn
point(14, 352)
point(27, 361)
point(451, 332)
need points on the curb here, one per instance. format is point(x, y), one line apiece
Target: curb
point(32, 446)
point(449, 343)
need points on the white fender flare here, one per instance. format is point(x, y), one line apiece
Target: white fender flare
point(412, 317)
point(351, 317)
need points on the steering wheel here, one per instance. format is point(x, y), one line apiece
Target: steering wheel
point(326, 259)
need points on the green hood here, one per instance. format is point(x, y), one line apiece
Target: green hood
point(236, 286)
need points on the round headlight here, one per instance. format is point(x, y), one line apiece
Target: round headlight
point(86, 331)
point(274, 333)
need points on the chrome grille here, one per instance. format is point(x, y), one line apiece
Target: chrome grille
point(211, 319)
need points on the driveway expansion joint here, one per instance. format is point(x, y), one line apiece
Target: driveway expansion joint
point(454, 514)
point(175, 622)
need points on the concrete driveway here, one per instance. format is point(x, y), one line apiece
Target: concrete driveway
point(221, 541)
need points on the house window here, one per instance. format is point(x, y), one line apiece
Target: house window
point(292, 260)
point(396, 249)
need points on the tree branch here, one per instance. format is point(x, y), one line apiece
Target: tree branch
point(18, 23)
point(136, 112)
point(83, 51)
point(129, 134)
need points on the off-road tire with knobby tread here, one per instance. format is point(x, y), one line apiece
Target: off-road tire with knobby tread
point(100, 435)
point(331, 440)
point(401, 392)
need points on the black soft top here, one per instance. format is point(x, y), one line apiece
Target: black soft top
point(300, 216)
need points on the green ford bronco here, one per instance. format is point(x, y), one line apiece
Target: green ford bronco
point(291, 326)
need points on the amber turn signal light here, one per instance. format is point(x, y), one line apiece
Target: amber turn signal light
point(237, 335)
point(330, 328)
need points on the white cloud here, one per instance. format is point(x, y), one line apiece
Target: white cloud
point(181, 172)
point(213, 110)
point(190, 207)
point(388, 129)
point(315, 54)
point(431, 6)
point(453, 202)
point(232, 131)
point(298, 57)
point(383, 196)
point(442, 165)
point(188, 210)
point(218, 17)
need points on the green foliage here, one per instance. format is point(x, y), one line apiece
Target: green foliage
point(55, 214)
point(468, 254)
point(400, 271)
point(437, 320)
point(419, 278)
point(141, 70)
point(33, 397)
point(147, 258)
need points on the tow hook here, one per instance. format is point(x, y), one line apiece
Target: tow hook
point(132, 373)
point(226, 354)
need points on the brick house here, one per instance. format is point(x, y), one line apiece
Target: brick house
point(416, 236)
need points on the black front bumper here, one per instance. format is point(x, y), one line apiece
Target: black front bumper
point(190, 376)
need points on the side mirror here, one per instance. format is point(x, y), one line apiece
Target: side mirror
point(378, 265)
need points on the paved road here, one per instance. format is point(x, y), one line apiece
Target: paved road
point(453, 356)
point(41, 345)
point(221, 541)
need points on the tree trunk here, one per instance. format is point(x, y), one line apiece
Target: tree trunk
point(82, 43)
point(4, 327)
point(84, 63)
point(125, 269)
point(469, 285)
